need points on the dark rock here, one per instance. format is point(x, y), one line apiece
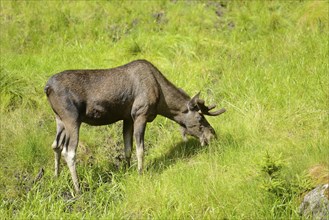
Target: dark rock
point(39, 176)
point(218, 7)
point(219, 12)
point(231, 25)
point(316, 203)
point(160, 17)
point(67, 196)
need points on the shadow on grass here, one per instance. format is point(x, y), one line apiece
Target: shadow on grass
point(101, 173)
point(182, 150)
point(186, 150)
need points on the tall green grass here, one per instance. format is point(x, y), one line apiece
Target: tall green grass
point(266, 62)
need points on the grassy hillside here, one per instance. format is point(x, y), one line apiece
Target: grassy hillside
point(266, 62)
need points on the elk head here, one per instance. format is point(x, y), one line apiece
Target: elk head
point(195, 123)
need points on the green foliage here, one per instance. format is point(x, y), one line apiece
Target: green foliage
point(14, 91)
point(271, 166)
point(266, 62)
point(282, 189)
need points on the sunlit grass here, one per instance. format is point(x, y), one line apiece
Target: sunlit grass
point(265, 62)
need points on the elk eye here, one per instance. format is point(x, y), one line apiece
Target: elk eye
point(195, 108)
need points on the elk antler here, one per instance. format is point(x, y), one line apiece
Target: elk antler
point(205, 109)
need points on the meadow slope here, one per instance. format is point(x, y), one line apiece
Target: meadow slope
point(266, 62)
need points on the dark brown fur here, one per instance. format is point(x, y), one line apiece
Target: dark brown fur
point(135, 93)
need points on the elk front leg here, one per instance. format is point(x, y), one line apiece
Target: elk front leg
point(139, 131)
point(128, 140)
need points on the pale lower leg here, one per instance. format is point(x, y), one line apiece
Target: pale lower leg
point(57, 161)
point(139, 131)
point(69, 153)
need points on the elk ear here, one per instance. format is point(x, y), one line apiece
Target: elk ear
point(193, 103)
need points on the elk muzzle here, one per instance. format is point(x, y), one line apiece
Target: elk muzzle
point(207, 136)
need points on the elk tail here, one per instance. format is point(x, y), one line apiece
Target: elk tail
point(47, 89)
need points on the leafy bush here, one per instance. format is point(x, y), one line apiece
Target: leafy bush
point(284, 191)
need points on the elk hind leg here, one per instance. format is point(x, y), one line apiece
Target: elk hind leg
point(69, 151)
point(58, 144)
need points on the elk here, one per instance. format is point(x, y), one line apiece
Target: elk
point(135, 93)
